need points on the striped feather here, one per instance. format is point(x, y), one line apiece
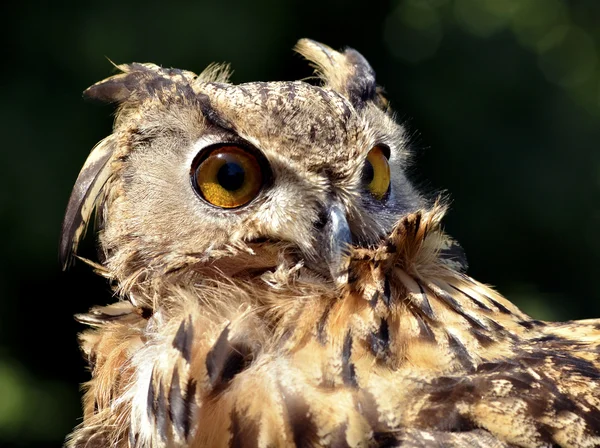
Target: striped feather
point(439, 360)
point(88, 187)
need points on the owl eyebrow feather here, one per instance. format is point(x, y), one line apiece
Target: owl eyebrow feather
point(212, 115)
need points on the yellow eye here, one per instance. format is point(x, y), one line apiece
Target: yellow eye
point(228, 177)
point(376, 172)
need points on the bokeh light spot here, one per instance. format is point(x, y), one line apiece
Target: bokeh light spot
point(413, 31)
point(570, 60)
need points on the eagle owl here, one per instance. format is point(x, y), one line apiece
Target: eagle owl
point(282, 283)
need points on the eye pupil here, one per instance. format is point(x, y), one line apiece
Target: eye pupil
point(368, 173)
point(231, 176)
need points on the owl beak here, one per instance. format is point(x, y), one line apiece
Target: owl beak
point(335, 241)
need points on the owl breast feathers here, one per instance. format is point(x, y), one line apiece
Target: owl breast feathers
point(282, 283)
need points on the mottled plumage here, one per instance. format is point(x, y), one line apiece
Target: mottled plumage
point(257, 325)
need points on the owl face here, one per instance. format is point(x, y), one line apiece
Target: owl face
point(202, 172)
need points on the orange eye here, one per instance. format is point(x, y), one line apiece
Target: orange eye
point(228, 177)
point(376, 172)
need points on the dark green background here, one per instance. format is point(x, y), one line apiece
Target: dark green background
point(502, 98)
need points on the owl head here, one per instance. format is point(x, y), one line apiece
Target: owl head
point(201, 177)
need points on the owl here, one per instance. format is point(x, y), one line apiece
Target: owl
point(281, 282)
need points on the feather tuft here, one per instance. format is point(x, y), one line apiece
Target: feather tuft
point(348, 73)
point(88, 187)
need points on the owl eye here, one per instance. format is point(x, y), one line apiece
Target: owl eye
point(376, 172)
point(228, 176)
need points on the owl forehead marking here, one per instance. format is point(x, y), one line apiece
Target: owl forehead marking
point(310, 125)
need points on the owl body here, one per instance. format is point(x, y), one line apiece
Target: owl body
point(283, 284)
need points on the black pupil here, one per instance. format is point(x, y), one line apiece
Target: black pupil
point(367, 173)
point(231, 176)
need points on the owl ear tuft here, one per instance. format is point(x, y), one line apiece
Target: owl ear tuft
point(86, 192)
point(138, 82)
point(348, 73)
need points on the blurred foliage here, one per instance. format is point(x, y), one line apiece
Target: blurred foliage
point(502, 98)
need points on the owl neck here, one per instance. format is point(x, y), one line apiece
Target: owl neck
point(408, 302)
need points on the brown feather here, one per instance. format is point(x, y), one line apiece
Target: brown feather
point(231, 333)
